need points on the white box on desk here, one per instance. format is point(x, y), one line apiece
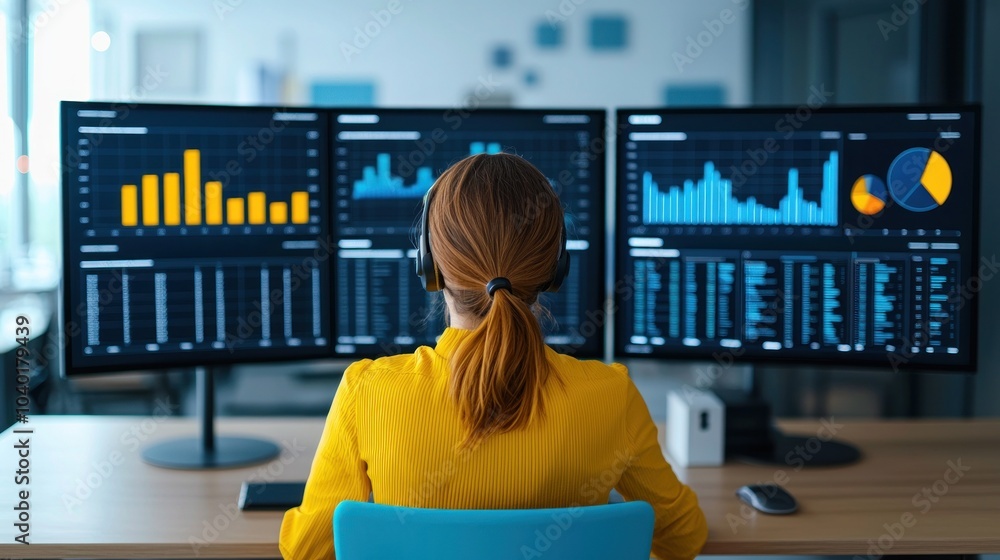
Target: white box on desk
point(696, 422)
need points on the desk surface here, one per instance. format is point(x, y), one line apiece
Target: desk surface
point(92, 496)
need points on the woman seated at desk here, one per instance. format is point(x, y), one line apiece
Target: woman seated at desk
point(490, 418)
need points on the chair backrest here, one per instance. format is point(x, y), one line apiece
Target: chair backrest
point(365, 531)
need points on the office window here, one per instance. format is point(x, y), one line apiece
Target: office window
point(8, 214)
point(60, 60)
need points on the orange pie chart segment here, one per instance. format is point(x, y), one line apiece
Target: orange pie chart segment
point(937, 178)
point(869, 194)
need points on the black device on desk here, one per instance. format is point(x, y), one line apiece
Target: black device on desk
point(768, 498)
point(271, 496)
point(281, 496)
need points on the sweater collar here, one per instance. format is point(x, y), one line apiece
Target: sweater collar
point(449, 340)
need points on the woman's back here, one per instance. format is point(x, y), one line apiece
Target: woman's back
point(408, 428)
point(393, 432)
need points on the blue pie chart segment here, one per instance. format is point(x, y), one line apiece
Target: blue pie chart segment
point(919, 179)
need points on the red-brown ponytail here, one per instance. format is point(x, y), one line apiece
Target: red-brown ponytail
point(496, 216)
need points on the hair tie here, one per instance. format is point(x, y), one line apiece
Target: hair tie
point(498, 283)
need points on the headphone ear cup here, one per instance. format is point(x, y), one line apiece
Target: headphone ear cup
point(430, 278)
point(562, 265)
point(562, 269)
point(427, 271)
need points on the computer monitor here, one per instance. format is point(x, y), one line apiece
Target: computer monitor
point(386, 159)
point(835, 236)
point(194, 236)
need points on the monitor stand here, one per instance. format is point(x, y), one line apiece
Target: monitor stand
point(771, 446)
point(208, 451)
point(801, 451)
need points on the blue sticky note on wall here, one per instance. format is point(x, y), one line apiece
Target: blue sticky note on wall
point(502, 56)
point(608, 32)
point(343, 93)
point(530, 77)
point(548, 35)
point(694, 95)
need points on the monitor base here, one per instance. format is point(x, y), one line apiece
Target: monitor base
point(208, 451)
point(801, 451)
point(229, 452)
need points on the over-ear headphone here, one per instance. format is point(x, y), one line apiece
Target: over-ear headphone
point(430, 275)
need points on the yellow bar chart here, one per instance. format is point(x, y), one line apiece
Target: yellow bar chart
point(235, 212)
point(192, 187)
point(172, 199)
point(257, 208)
point(300, 207)
point(130, 205)
point(203, 203)
point(150, 200)
point(279, 213)
point(213, 203)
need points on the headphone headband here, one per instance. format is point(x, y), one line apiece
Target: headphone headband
point(430, 275)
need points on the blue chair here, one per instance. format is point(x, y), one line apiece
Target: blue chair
point(363, 531)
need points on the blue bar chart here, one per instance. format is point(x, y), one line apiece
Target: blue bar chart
point(484, 148)
point(379, 182)
point(711, 201)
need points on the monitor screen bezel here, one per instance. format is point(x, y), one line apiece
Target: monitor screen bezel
point(844, 360)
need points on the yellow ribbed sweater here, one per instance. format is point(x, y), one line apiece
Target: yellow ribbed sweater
point(393, 431)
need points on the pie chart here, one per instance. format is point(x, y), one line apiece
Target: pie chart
point(920, 179)
point(869, 195)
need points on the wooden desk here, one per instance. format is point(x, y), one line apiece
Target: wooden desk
point(841, 509)
point(83, 505)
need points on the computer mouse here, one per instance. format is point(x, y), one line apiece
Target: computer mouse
point(768, 498)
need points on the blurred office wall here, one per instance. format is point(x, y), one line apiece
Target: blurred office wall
point(524, 52)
